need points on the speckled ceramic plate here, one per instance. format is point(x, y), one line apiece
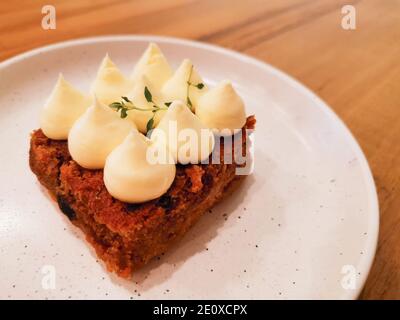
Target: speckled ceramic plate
point(304, 225)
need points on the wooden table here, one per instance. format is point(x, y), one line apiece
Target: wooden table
point(357, 72)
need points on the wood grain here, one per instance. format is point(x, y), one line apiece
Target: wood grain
point(357, 72)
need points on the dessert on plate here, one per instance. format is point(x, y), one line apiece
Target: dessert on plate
point(135, 163)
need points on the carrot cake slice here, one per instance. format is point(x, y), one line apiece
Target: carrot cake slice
point(135, 164)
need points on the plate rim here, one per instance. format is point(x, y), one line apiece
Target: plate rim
point(366, 263)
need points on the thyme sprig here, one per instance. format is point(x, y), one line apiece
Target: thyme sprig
point(126, 105)
point(199, 86)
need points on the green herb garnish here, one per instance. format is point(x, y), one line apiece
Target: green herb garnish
point(148, 95)
point(150, 123)
point(125, 105)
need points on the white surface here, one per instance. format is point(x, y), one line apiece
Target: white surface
point(309, 208)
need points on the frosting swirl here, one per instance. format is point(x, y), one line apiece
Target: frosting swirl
point(222, 108)
point(177, 87)
point(95, 134)
point(131, 176)
point(154, 66)
point(187, 138)
point(110, 84)
point(64, 106)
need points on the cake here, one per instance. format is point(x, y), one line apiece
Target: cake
point(128, 226)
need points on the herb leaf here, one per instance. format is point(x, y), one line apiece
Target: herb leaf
point(150, 124)
point(126, 105)
point(148, 95)
point(116, 105)
point(124, 113)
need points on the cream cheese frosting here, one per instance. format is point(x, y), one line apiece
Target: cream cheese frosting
point(129, 174)
point(110, 84)
point(99, 137)
point(187, 138)
point(154, 66)
point(64, 106)
point(177, 87)
point(222, 108)
point(95, 134)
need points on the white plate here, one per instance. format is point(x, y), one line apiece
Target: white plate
point(304, 225)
